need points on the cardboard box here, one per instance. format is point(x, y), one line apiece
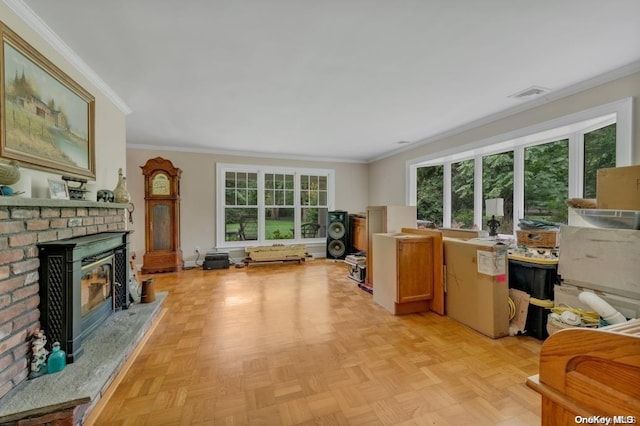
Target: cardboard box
point(463, 234)
point(618, 188)
point(477, 286)
point(601, 259)
point(537, 238)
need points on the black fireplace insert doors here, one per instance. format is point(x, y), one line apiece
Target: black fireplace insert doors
point(63, 264)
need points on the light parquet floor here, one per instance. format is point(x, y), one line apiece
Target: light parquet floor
point(303, 345)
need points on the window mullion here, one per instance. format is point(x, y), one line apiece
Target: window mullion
point(518, 185)
point(297, 207)
point(261, 206)
point(477, 192)
point(576, 165)
point(446, 196)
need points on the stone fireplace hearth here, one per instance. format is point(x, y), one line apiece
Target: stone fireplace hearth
point(72, 396)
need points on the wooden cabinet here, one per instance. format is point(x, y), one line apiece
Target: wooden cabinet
point(382, 219)
point(162, 216)
point(404, 272)
point(358, 228)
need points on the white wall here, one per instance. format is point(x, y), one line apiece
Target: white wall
point(198, 192)
point(110, 122)
point(387, 177)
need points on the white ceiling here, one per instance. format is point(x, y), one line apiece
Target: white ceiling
point(334, 79)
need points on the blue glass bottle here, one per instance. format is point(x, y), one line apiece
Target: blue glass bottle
point(57, 360)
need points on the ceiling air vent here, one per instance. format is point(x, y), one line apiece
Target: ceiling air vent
point(530, 92)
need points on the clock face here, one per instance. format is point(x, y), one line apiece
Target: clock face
point(160, 185)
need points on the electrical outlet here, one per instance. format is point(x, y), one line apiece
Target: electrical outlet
point(197, 249)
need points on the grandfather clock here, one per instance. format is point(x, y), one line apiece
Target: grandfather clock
point(161, 217)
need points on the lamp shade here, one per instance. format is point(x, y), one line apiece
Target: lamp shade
point(494, 206)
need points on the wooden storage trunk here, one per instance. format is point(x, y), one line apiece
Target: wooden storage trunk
point(270, 253)
point(536, 238)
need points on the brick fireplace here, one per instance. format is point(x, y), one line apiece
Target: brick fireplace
point(25, 223)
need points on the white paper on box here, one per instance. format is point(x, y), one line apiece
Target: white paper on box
point(492, 263)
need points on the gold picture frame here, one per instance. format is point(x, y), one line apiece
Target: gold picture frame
point(58, 189)
point(47, 120)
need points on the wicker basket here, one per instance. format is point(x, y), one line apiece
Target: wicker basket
point(535, 238)
point(553, 325)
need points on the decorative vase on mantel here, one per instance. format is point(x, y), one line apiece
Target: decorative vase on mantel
point(120, 193)
point(9, 172)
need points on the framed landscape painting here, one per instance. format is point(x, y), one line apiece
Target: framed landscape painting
point(47, 118)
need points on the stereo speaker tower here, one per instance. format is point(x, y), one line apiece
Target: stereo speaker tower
point(337, 234)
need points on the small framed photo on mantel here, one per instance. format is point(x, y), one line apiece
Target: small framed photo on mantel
point(58, 189)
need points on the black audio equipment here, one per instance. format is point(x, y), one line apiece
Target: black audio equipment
point(337, 234)
point(215, 260)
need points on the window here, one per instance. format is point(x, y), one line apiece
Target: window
point(599, 153)
point(313, 202)
point(497, 182)
point(462, 187)
point(241, 206)
point(535, 170)
point(279, 206)
point(546, 181)
point(262, 204)
point(430, 181)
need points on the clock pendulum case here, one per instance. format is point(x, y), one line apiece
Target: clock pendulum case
point(162, 216)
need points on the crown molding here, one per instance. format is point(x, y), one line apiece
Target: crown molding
point(582, 86)
point(34, 22)
point(237, 153)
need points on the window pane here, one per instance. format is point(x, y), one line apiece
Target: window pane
point(268, 181)
point(269, 197)
point(304, 198)
point(288, 182)
point(252, 179)
point(230, 179)
point(241, 224)
point(497, 182)
point(278, 182)
point(322, 183)
point(304, 182)
point(430, 194)
point(252, 197)
point(230, 197)
point(313, 223)
point(279, 223)
point(546, 181)
point(322, 198)
point(288, 198)
point(279, 198)
point(242, 180)
point(599, 153)
point(462, 194)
